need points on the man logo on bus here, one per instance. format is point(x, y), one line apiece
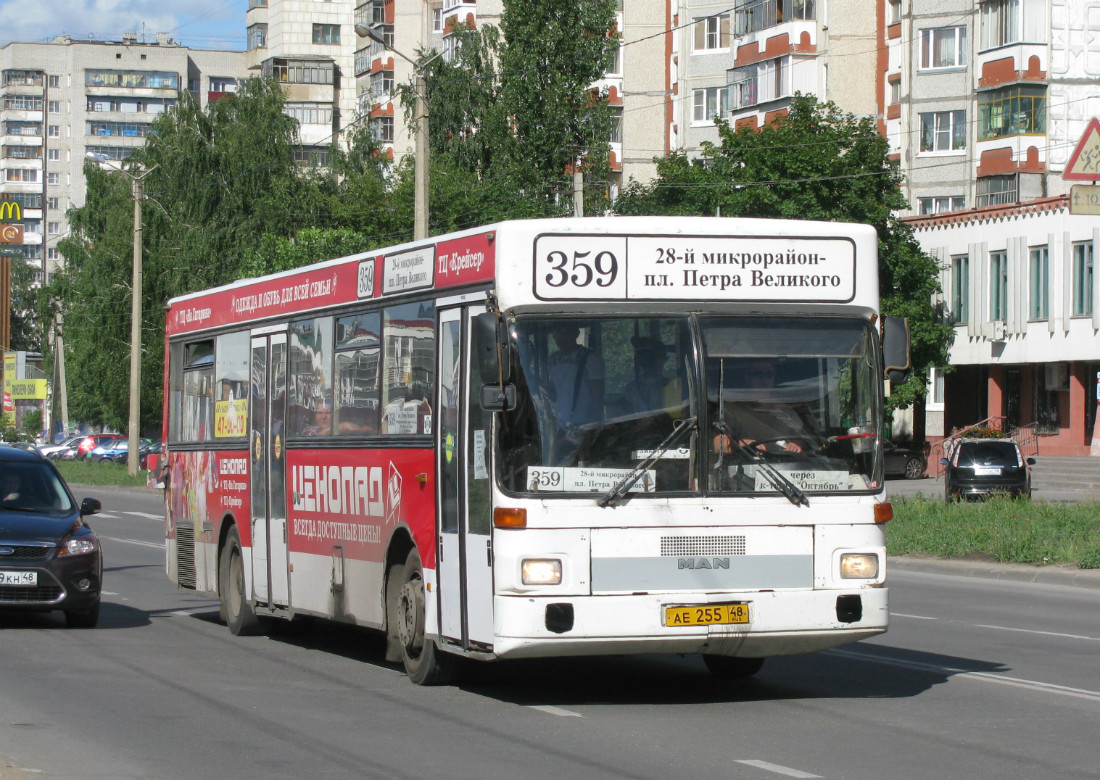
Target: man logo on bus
point(393, 496)
point(703, 563)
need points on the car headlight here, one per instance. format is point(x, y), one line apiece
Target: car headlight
point(541, 571)
point(81, 546)
point(858, 566)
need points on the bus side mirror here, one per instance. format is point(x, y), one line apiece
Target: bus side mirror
point(491, 348)
point(895, 349)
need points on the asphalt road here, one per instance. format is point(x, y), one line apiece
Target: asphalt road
point(978, 677)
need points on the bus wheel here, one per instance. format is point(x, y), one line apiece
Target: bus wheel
point(424, 662)
point(239, 615)
point(732, 668)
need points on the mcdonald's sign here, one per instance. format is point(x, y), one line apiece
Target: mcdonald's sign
point(10, 211)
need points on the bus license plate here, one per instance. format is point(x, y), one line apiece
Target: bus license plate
point(18, 578)
point(707, 615)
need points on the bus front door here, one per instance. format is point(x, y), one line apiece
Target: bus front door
point(266, 440)
point(462, 451)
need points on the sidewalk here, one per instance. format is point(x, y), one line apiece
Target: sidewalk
point(1018, 572)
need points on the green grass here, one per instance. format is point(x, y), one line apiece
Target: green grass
point(82, 472)
point(1001, 529)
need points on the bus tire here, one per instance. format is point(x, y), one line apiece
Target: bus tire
point(424, 662)
point(730, 668)
point(239, 615)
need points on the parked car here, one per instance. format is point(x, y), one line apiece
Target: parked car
point(89, 443)
point(153, 448)
point(20, 445)
point(108, 451)
point(903, 460)
point(49, 450)
point(984, 467)
point(49, 556)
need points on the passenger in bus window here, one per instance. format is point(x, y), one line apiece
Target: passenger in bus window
point(652, 390)
point(322, 420)
point(576, 378)
point(760, 421)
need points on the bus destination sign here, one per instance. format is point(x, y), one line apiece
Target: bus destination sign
point(756, 268)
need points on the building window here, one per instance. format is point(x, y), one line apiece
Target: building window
point(934, 399)
point(943, 47)
point(998, 285)
point(51, 253)
point(132, 79)
point(943, 131)
point(895, 92)
point(52, 179)
point(1012, 21)
point(24, 152)
point(382, 129)
point(309, 113)
point(23, 103)
point(55, 131)
point(960, 288)
point(19, 174)
point(54, 154)
point(1039, 271)
point(759, 83)
point(1015, 110)
point(997, 190)
point(54, 82)
point(894, 12)
point(941, 203)
point(710, 103)
point(753, 15)
point(53, 204)
point(326, 33)
point(437, 20)
point(300, 71)
point(712, 33)
point(54, 106)
point(53, 228)
point(617, 126)
point(316, 156)
point(257, 36)
point(381, 83)
point(1082, 279)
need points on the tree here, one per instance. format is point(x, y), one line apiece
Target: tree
point(25, 292)
point(515, 112)
point(215, 181)
point(814, 163)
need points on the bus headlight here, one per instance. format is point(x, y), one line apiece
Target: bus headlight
point(858, 566)
point(541, 571)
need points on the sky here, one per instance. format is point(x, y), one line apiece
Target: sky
point(199, 24)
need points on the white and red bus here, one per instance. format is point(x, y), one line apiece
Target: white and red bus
point(543, 438)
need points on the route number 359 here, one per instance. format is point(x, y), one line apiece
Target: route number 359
point(581, 270)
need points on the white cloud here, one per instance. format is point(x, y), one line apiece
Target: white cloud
point(206, 23)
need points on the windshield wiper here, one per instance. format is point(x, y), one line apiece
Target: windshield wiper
point(622, 487)
point(781, 483)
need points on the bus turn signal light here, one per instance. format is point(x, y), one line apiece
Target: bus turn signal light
point(884, 512)
point(505, 517)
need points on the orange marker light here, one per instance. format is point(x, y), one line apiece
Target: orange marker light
point(884, 512)
point(506, 517)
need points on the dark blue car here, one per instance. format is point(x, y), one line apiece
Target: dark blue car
point(49, 556)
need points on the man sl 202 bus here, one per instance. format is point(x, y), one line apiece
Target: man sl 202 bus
point(544, 438)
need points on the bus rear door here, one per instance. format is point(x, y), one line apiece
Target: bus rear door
point(267, 445)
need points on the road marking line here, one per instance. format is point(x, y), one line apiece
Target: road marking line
point(555, 711)
point(1043, 633)
point(781, 770)
point(146, 515)
point(914, 617)
point(953, 672)
point(108, 515)
point(136, 541)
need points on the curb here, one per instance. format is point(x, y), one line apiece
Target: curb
point(1017, 572)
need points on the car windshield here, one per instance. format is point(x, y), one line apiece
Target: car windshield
point(757, 405)
point(32, 486)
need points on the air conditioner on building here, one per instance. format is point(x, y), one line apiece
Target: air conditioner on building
point(998, 330)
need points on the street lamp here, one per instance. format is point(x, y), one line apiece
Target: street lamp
point(420, 148)
point(137, 189)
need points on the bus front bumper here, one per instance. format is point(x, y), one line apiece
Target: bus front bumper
point(780, 623)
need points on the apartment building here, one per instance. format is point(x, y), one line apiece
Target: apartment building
point(744, 60)
point(989, 102)
point(67, 100)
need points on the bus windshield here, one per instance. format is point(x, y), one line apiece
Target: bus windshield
point(750, 405)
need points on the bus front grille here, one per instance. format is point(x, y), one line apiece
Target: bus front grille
point(679, 546)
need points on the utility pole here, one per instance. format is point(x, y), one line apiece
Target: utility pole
point(132, 456)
